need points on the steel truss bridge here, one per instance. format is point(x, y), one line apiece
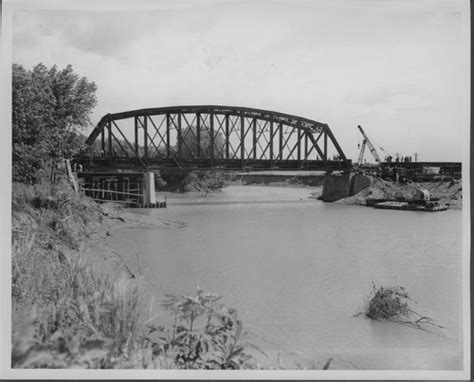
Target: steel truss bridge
point(228, 137)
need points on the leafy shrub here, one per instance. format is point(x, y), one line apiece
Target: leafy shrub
point(205, 334)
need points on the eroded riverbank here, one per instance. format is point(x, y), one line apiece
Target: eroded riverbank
point(78, 304)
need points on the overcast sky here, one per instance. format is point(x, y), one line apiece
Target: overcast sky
point(398, 68)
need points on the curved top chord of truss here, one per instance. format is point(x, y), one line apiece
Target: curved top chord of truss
point(286, 119)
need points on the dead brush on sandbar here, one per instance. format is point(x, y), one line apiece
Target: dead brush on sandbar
point(391, 303)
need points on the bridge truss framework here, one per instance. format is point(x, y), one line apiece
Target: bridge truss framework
point(181, 137)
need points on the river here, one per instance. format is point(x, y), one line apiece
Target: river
point(298, 269)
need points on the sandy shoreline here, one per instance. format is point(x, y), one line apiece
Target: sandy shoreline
point(98, 252)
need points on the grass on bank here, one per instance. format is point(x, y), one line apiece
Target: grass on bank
point(67, 315)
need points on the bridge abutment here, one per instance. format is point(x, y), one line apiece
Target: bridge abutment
point(336, 186)
point(149, 196)
point(339, 186)
point(132, 189)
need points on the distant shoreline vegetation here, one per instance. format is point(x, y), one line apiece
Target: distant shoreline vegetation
point(202, 181)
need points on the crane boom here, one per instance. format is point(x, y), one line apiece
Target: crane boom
point(371, 147)
point(361, 154)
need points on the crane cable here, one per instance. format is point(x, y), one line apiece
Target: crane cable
point(380, 147)
point(376, 143)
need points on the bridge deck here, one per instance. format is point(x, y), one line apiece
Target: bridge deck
point(169, 165)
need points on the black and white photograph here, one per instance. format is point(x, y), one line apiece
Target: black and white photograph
point(236, 189)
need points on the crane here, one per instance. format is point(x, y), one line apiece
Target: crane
point(367, 142)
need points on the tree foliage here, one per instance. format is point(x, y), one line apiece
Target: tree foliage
point(189, 143)
point(50, 108)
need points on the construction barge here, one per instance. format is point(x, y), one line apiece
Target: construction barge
point(408, 206)
point(421, 201)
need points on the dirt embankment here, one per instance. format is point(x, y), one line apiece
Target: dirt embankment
point(52, 227)
point(448, 192)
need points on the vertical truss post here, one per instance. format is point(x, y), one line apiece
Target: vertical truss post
point(280, 154)
point(102, 141)
point(109, 127)
point(305, 145)
point(145, 136)
point(168, 149)
point(136, 136)
point(271, 141)
point(325, 148)
point(179, 136)
point(227, 136)
point(242, 140)
point(254, 130)
point(211, 138)
point(198, 134)
point(298, 148)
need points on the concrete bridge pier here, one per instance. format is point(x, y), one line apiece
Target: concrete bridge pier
point(149, 196)
point(343, 185)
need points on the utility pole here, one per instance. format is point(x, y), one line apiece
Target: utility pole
point(416, 157)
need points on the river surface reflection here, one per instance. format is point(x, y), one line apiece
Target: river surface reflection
point(298, 269)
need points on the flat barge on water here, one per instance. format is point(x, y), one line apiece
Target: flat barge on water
point(408, 206)
point(421, 201)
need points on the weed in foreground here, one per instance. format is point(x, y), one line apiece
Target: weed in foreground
point(205, 334)
point(88, 321)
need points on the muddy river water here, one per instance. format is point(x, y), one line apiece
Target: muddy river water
point(298, 269)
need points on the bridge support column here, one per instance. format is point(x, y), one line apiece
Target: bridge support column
point(336, 186)
point(149, 196)
point(339, 186)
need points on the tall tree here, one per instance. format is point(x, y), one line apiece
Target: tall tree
point(50, 108)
